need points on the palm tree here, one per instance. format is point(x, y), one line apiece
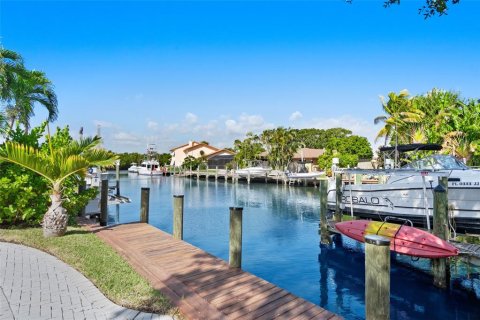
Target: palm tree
point(27, 89)
point(11, 63)
point(55, 165)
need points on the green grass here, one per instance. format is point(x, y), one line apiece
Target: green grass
point(98, 262)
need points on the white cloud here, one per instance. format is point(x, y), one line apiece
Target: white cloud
point(246, 123)
point(152, 125)
point(295, 116)
point(191, 118)
point(125, 137)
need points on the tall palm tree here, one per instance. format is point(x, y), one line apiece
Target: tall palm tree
point(27, 89)
point(394, 107)
point(55, 165)
point(11, 63)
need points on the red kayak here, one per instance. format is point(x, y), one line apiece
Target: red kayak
point(403, 239)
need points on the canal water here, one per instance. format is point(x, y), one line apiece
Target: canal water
point(281, 244)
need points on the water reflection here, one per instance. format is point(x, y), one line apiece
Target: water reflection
point(281, 244)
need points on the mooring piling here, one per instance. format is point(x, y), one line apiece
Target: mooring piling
point(117, 177)
point(377, 277)
point(440, 229)
point(104, 202)
point(338, 197)
point(178, 217)
point(145, 205)
point(235, 247)
point(325, 234)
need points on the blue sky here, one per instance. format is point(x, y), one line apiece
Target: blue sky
point(166, 72)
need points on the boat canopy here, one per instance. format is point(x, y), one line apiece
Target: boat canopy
point(412, 147)
point(437, 162)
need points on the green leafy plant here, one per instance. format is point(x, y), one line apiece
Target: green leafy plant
point(56, 165)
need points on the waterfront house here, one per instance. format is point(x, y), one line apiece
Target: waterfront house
point(220, 158)
point(308, 156)
point(197, 150)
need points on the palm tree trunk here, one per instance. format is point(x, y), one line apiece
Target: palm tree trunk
point(55, 220)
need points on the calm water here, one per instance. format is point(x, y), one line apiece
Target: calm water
point(281, 244)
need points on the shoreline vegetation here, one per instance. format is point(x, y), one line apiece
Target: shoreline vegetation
point(98, 262)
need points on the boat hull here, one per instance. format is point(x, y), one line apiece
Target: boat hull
point(407, 201)
point(403, 239)
point(252, 172)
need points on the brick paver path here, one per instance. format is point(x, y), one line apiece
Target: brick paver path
point(36, 285)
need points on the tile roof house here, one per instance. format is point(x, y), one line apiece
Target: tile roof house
point(194, 149)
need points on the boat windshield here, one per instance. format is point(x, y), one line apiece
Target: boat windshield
point(437, 162)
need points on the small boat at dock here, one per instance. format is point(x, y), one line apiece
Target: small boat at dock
point(408, 193)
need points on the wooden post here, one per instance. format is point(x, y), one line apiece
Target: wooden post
point(377, 277)
point(144, 205)
point(81, 188)
point(198, 172)
point(207, 174)
point(325, 234)
point(216, 173)
point(178, 217)
point(117, 176)
point(248, 177)
point(104, 203)
point(235, 252)
point(338, 197)
point(440, 229)
point(358, 178)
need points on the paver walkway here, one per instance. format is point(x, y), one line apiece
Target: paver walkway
point(36, 285)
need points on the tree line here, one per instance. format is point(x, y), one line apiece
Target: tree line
point(439, 116)
point(279, 146)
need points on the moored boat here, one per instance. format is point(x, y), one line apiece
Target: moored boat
point(408, 193)
point(150, 166)
point(133, 168)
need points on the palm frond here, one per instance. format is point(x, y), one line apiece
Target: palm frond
point(27, 157)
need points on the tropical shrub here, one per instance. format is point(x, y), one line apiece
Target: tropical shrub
point(23, 196)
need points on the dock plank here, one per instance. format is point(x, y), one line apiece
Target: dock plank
point(201, 285)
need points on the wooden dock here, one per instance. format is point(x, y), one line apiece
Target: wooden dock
point(201, 285)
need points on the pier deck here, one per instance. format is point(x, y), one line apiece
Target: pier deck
point(201, 285)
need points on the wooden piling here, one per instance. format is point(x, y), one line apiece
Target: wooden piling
point(440, 229)
point(338, 197)
point(248, 177)
point(216, 173)
point(178, 217)
point(145, 205)
point(325, 234)
point(377, 277)
point(235, 248)
point(104, 203)
point(81, 188)
point(117, 177)
point(198, 172)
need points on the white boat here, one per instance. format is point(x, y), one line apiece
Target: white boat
point(408, 193)
point(150, 166)
point(298, 170)
point(304, 175)
point(253, 172)
point(133, 168)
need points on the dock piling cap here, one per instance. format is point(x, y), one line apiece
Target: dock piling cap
point(377, 240)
